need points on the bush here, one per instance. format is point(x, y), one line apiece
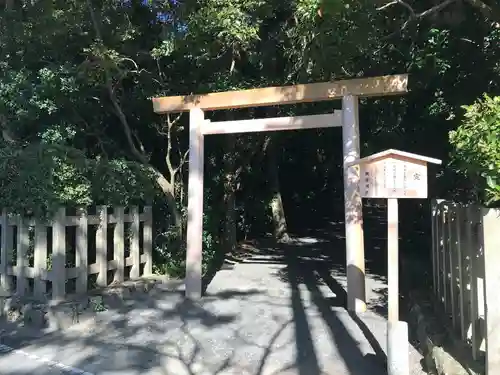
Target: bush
point(476, 145)
point(170, 251)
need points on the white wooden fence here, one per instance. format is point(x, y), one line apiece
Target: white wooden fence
point(64, 255)
point(466, 273)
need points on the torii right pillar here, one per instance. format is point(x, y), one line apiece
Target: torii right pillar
point(355, 251)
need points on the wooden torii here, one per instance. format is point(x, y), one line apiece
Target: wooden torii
point(347, 90)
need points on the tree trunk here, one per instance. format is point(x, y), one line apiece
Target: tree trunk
point(167, 189)
point(276, 204)
point(229, 238)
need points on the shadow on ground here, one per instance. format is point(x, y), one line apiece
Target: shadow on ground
point(148, 333)
point(312, 272)
point(279, 310)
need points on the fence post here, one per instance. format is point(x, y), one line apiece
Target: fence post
point(434, 245)
point(59, 255)
point(439, 249)
point(6, 252)
point(40, 262)
point(22, 252)
point(148, 240)
point(102, 247)
point(452, 252)
point(472, 249)
point(491, 248)
point(461, 283)
point(134, 243)
point(446, 248)
point(119, 244)
point(81, 256)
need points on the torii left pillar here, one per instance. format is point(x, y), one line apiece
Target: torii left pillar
point(193, 280)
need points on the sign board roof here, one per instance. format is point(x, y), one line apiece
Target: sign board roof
point(393, 153)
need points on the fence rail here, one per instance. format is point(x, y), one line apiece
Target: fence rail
point(73, 253)
point(466, 274)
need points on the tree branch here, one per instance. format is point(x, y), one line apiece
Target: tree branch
point(165, 185)
point(398, 2)
point(168, 159)
point(112, 95)
point(415, 17)
point(435, 9)
point(491, 12)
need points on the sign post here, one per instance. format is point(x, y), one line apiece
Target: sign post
point(391, 175)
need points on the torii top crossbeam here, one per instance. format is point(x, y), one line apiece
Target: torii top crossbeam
point(311, 92)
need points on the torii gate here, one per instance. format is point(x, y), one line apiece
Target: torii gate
point(347, 90)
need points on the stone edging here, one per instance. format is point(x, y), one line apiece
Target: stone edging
point(437, 360)
point(52, 315)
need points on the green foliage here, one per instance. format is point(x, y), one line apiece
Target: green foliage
point(476, 145)
point(221, 26)
point(171, 254)
point(307, 10)
point(55, 113)
point(40, 177)
point(123, 182)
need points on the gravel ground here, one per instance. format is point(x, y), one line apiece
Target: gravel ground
point(280, 312)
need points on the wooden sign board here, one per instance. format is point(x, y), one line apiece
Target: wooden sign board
point(393, 174)
point(393, 178)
